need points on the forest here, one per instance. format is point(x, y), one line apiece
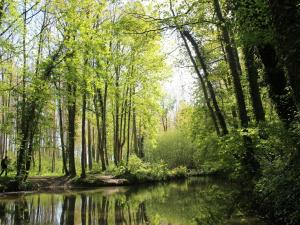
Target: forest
point(83, 95)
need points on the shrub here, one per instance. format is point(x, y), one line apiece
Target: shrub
point(140, 171)
point(179, 172)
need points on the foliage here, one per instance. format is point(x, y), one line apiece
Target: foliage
point(174, 148)
point(140, 171)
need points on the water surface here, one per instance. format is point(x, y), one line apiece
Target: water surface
point(195, 201)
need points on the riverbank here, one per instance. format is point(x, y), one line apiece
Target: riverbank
point(62, 183)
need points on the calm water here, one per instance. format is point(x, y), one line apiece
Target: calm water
point(194, 201)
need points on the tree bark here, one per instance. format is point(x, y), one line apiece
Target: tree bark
point(252, 74)
point(202, 82)
point(62, 140)
point(286, 20)
point(71, 128)
point(211, 90)
point(90, 157)
point(99, 131)
point(248, 161)
point(278, 86)
point(233, 65)
point(83, 138)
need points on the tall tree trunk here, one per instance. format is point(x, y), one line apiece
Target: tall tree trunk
point(278, 85)
point(71, 128)
point(128, 126)
point(286, 20)
point(90, 157)
point(252, 74)
point(99, 131)
point(62, 140)
point(203, 85)
point(134, 132)
point(211, 90)
point(250, 164)
point(103, 106)
point(233, 65)
point(116, 127)
point(83, 138)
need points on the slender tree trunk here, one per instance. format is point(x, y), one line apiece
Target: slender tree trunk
point(211, 90)
point(83, 138)
point(100, 135)
point(128, 127)
point(62, 140)
point(40, 160)
point(134, 131)
point(233, 64)
point(116, 127)
point(250, 164)
point(202, 82)
point(90, 159)
point(103, 105)
point(71, 128)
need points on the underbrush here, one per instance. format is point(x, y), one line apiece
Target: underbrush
point(140, 171)
point(277, 196)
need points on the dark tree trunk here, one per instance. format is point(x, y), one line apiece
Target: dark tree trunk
point(249, 163)
point(252, 74)
point(103, 105)
point(99, 131)
point(233, 65)
point(135, 134)
point(116, 144)
point(202, 82)
point(71, 128)
point(90, 157)
point(128, 126)
point(278, 87)
point(286, 20)
point(211, 90)
point(62, 141)
point(83, 138)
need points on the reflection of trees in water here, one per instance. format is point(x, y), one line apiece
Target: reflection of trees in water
point(119, 213)
point(83, 209)
point(92, 210)
point(124, 217)
point(141, 214)
point(3, 219)
point(213, 204)
point(22, 213)
point(67, 216)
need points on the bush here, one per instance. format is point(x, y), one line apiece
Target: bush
point(140, 171)
point(179, 172)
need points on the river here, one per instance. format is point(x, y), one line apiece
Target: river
point(195, 201)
